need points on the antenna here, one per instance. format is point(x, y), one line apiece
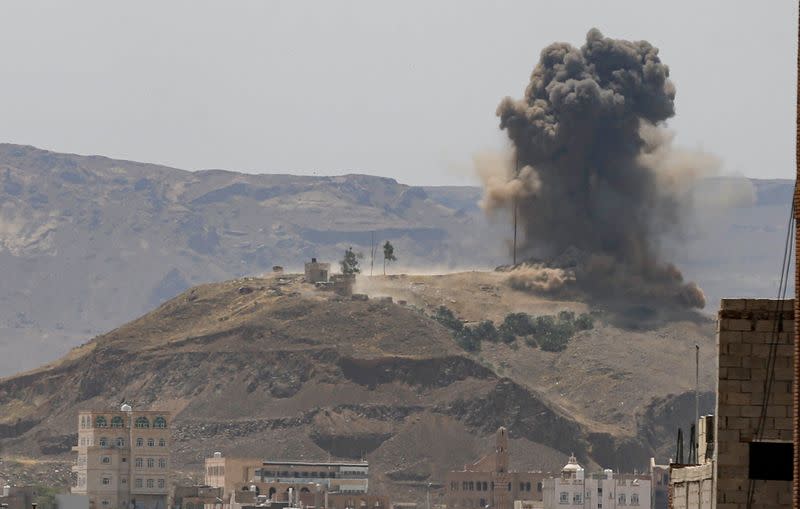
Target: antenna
point(679, 451)
point(696, 398)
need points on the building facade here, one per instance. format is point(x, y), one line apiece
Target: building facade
point(333, 477)
point(227, 473)
point(750, 461)
point(488, 481)
point(123, 458)
point(317, 272)
point(574, 488)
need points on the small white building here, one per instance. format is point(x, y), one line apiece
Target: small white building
point(595, 491)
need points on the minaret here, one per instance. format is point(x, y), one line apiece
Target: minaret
point(501, 451)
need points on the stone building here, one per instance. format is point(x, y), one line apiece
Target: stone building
point(488, 481)
point(604, 490)
point(227, 473)
point(123, 458)
point(750, 464)
point(317, 272)
point(340, 477)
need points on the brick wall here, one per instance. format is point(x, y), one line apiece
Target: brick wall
point(746, 329)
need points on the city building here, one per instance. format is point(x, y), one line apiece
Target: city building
point(605, 490)
point(333, 477)
point(123, 458)
point(659, 491)
point(317, 272)
point(488, 481)
point(197, 497)
point(750, 461)
point(227, 473)
point(303, 494)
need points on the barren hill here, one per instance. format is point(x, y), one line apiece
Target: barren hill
point(274, 368)
point(88, 243)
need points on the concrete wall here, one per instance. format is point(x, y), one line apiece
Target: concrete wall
point(746, 329)
point(692, 487)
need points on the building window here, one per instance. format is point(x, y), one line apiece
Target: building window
point(139, 442)
point(106, 480)
point(160, 422)
point(621, 499)
point(485, 486)
point(120, 442)
point(161, 483)
point(105, 459)
point(100, 422)
point(162, 442)
point(103, 442)
point(105, 503)
point(139, 462)
point(563, 498)
point(634, 499)
point(576, 499)
point(117, 422)
point(151, 463)
point(138, 483)
point(124, 480)
point(142, 422)
point(471, 486)
point(151, 442)
point(149, 483)
point(527, 486)
point(162, 462)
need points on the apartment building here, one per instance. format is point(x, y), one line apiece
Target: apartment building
point(347, 477)
point(603, 490)
point(123, 458)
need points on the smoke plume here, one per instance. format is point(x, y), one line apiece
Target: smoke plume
point(594, 177)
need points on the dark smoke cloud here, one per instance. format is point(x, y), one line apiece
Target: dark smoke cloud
point(591, 181)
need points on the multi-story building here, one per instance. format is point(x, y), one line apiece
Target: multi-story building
point(334, 477)
point(226, 473)
point(488, 482)
point(595, 491)
point(123, 458)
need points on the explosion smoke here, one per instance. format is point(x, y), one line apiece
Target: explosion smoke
point(596, 175)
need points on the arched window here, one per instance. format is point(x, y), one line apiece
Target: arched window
point(162, 463)
point(142, 422)
point(120, 442)
point(117, 422)
point(162, 442)
point(151, 463)
point(103, 442)
point(139, 442)
point(139, 463)
point(100, 422)
point(160, 422)
point(151, 442)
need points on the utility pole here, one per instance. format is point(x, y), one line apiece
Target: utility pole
point(372, 253)
point(696, 400)
point(516, 173)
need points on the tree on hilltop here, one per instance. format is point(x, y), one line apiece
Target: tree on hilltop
point(388, 255)
point(349, 263)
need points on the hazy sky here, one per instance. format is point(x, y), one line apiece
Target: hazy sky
point(403, 89)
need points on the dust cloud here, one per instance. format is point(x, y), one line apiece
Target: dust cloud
point(593, 174)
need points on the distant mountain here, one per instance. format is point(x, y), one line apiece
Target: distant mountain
point(87, 242)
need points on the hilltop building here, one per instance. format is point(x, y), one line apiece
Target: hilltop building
point(605, 490)
point(745, 451)
point(123, 458)
point(488, 482)
point(317, 272)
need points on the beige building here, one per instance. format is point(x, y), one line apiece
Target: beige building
point(317, 272)
point(338, 477)
point(488, 482)
point(603, 490)
point(123, 458)
point(750, 461)
point(227, 473)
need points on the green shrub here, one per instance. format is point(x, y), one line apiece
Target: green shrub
point(584, 322)
point(446, 317)
point(507, 336)
point(518, 324)
point(486, 330)
point(468, 340)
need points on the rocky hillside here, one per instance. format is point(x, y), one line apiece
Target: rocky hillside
point(88, 243)
point(274, 368)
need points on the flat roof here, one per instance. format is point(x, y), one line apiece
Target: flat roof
point(315, 464)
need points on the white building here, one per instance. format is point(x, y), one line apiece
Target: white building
point(595, 491)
